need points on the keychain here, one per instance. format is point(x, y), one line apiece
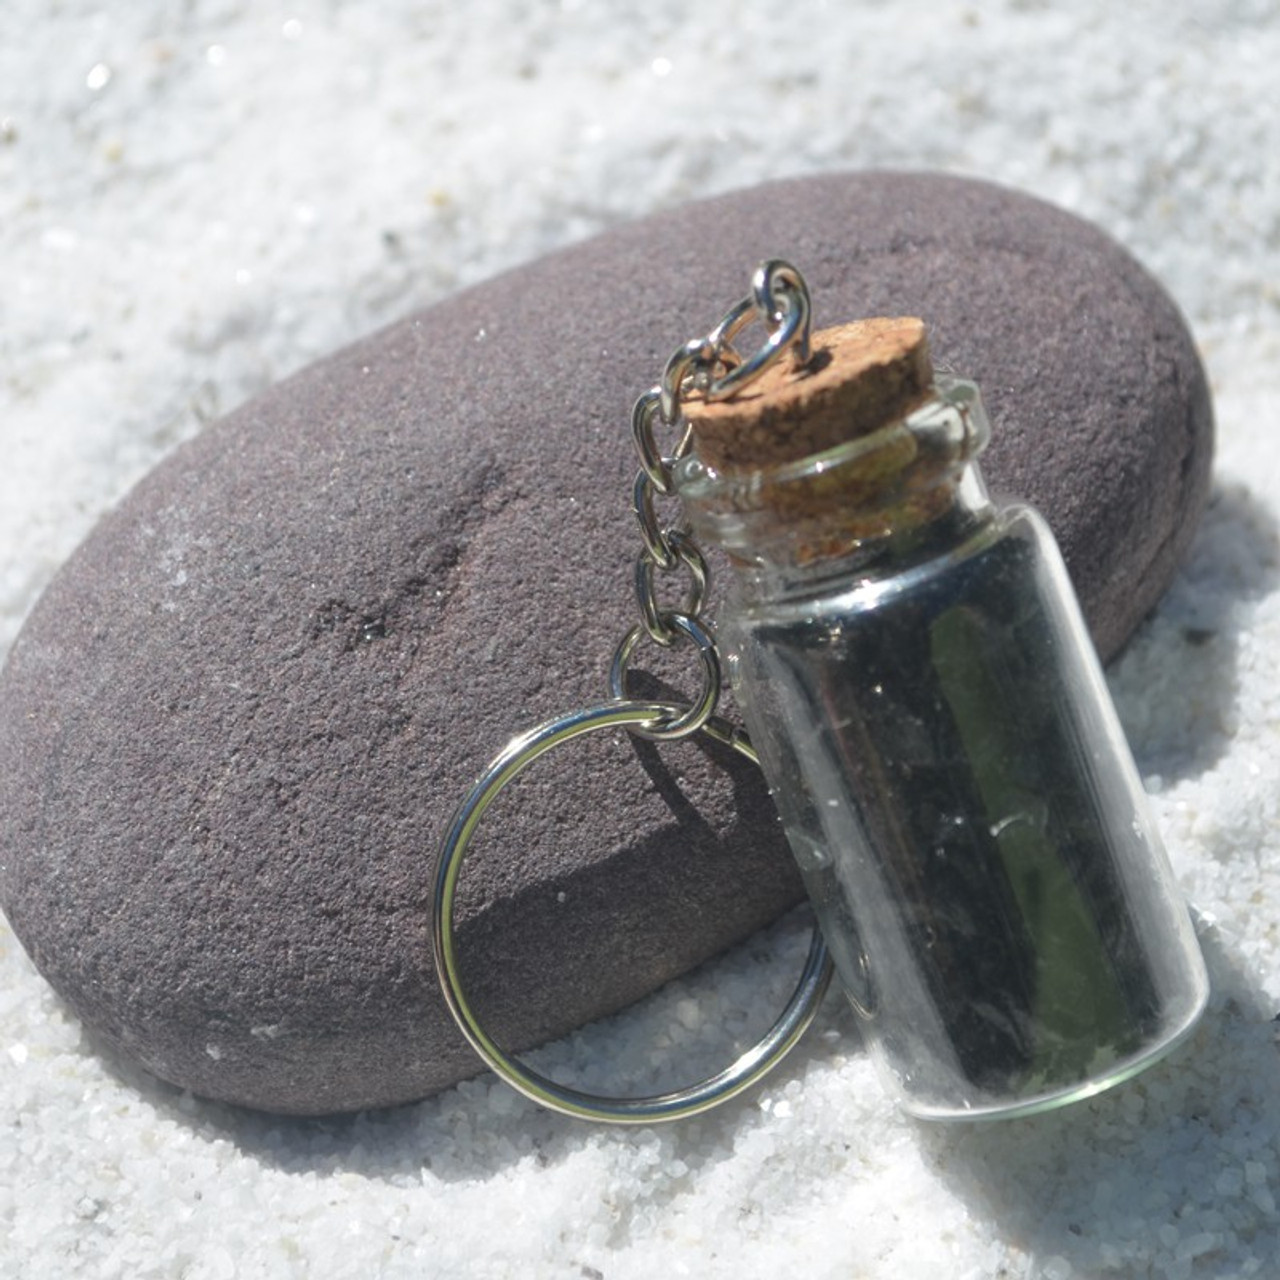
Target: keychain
point(927, 709)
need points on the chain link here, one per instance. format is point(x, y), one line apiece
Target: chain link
point(713, 368)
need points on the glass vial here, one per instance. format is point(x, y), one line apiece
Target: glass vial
point(937, 734)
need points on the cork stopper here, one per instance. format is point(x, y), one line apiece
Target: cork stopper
point(859, 377)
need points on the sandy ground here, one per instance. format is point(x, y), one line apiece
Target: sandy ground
point(198, 199)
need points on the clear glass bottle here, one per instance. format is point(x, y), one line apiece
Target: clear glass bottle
point(915, 674)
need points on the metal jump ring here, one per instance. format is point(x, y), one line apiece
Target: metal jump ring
point(742, 1074)
point(779, 297)
point(693, 717)
point(731, 324)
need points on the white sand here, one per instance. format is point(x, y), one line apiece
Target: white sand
point(191, 208)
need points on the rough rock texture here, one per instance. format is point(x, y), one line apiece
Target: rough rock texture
point(233, 729)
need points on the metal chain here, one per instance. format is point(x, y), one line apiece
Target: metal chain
point(713, 368)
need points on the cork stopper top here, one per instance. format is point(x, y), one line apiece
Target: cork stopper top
point(858, 377)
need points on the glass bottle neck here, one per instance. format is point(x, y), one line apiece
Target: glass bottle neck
point(872, 506)
point(965, 513)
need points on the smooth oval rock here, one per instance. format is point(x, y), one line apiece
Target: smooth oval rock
point(234, 728)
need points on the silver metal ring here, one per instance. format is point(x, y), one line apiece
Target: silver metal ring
point(742, 1074)
point(693, 717)
point(732, 323)
point(780, 297)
